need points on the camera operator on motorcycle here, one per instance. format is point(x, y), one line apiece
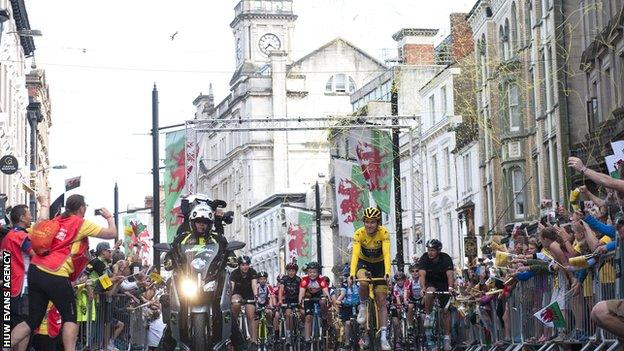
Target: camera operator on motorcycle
point(198, 231)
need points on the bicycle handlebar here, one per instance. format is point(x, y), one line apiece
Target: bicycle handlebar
point(440, 293)
point(244, 301)
point(314, 299)
point(370, 279)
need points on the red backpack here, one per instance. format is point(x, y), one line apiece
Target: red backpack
point(42, 235)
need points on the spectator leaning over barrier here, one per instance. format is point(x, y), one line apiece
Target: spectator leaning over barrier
point(17, 244)
point(50, 276)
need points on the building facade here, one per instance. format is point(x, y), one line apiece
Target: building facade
point(39, 94)
point(15, 129)
point(522, 95)
point(597, 111)
point(247, 167)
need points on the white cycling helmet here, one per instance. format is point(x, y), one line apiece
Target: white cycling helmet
point(202, 211)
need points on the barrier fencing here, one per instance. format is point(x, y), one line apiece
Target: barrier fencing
point(109, 322)
point(508, 323)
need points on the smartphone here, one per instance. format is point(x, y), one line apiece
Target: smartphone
point(97, 212)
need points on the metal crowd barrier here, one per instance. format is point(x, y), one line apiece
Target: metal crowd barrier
point(101, 314)
point(483, 329)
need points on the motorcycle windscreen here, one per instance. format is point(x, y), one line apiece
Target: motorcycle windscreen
point(200, 257)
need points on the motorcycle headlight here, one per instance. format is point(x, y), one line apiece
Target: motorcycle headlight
point(198, 264)
point(188, 287)
point(210, 286)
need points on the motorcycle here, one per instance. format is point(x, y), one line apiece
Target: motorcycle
point(200, 313)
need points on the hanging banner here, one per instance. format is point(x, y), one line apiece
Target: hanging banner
point(351, 196)
point(191, 152)
point(301, 236)
point(373, 149)
point(174, 180)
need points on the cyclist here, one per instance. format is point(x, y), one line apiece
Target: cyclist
point(273, 300)
point(413, 294)
point(371, 256)
point(244, 284)
point(263, 297)
point(313, 286)
point(398, 301)
point(349, 297)
point(289, 293)
point(436, 272)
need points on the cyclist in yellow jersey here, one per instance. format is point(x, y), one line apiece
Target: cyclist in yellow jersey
point(371, 255)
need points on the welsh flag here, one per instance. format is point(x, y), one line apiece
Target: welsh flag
point(351, 196)
point(174, 180)
point(301, 236)
point(551, 316)
point(373, 149)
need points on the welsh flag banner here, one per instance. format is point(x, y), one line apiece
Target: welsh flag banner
point(551, 316)
point(174, 180)
point(373, 149)
point(351, 196)
point(612, 162)
point(301, 236)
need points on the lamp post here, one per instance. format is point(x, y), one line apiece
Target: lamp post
point(34, 116)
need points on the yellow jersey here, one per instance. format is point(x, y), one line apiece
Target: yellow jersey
point(371, 248)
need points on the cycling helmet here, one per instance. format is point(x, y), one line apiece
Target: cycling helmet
point(413, 266)
point(244, 259)
point(263, 274)
point(292, 265)
point(313, 265)
point(399, 276)
point(372, 213)
point(202, 211)
point(434, 244)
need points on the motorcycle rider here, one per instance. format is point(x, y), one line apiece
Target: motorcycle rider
point(202, 219)
point(244, 281)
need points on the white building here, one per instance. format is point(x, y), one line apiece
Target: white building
point(14, 125)
point(450, 156)
point(246, 168)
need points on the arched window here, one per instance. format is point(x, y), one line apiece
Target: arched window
point(506, 39)
point(340, 83)
point(483, 59)
point(528, 21)
point(515, 36)
point(501, 42)
point(517, 183)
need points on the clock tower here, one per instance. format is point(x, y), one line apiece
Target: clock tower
point(259, 27)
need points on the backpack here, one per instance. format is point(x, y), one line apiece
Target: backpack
point(42, 235)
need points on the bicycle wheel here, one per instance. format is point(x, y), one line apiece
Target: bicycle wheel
point(373, 326)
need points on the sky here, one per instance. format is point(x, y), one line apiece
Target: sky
point(102, 58)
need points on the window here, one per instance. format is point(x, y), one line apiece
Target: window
point(542, 84)
point(517, 182)
point(528, 21)
point(438, 228)
point(514, 110)
point(404, 191)
point(432, 109)
point(531, 97)
point(608, 83)
point(434, 170)
point(514, 37)
point(507, 40)
point(443, 101)
point(249, 177)
point(467, 173)
point(447, 166)
point(340, 83)
point(449, 227)
point(267, 233)
point(501, 42)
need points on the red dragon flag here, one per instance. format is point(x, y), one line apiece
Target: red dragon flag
point(373, 149)
point(551, 316)
point(351, 196)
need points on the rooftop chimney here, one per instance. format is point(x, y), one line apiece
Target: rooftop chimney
point(461, 34)
point(416, 45)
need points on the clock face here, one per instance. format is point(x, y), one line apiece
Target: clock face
point(269, 42)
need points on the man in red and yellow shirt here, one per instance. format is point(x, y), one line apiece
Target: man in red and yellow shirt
point(17, 245)
point(50, 276)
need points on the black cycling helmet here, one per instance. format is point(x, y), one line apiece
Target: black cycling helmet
point(399, 276)
point(434, 244)
point(313, 265)
point(244, 259)
point(413, 266)
point(263, 274)
point(372, 213)
point(292, 265)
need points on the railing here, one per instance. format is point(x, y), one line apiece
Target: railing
point(508, 322)
point(112, 320)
